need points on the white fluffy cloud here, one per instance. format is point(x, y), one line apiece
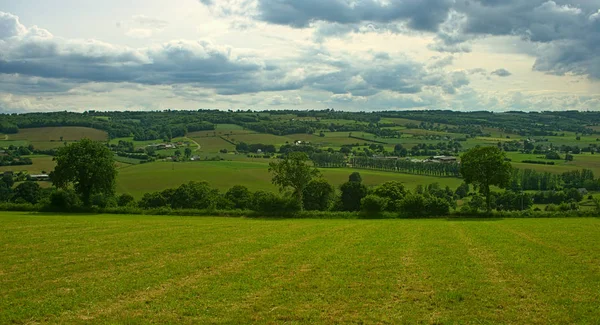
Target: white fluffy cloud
point(267, 54)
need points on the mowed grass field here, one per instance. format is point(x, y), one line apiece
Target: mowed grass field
point(107, 269)
point(157, 176)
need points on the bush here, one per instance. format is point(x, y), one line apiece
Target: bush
point(64, 201)
point(271, 203)
point(240, 197)
point(372, 205)
point(153, 200)
point(125, 200)
point(435, 206)
point(103, 201)
point(412, 205)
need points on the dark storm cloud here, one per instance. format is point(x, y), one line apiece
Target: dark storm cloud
point(420, 14)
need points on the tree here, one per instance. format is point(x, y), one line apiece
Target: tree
point(484, 167)
point(194, 195)
point(318, 195)
point(352, 194)
point(5, 191)
point(8, 180)
point(87, 165)
point(188, 152)
point(28, 191)
point(462, 191)
point(177, 153)
point(240, 196)
point(293, 172)
point(355, 177)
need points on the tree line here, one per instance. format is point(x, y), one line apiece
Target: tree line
point(85, 175)
point(407, 166)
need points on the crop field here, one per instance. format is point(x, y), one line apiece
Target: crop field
point(150, 269)
point(157, 176)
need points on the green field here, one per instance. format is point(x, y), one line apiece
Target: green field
point(108, 269)
point(40, 164)
point(157, 176)
point(49, 137)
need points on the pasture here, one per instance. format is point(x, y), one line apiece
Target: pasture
point(139, 179)
point(50, 137)
point(151, 269)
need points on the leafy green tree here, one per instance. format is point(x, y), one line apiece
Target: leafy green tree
point(462, 191)
point(293, 172)
point(318, 195)
point(8, 180)
point(240, 196)
point(28, 191)
point(484, 167)
point(188, 152)
point(177, 153)
point(194, 195)
point(392, 190)
point(5, 191)
point(355, 177)
point(352, 194)
point(87, 165)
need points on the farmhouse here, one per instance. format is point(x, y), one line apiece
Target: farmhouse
point(444, 159)
point(40, 177)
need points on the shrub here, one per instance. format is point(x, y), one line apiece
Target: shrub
point(240, 197)
point(103, 201)
point(271, 203)
point(412, 205)
point(64, 200)
point(373, 205)
point(153, 200)
point(125, 200)
point(435, 206)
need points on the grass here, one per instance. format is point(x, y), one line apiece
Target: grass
point(53, 134)
point(213, 144)
point(157, 176)
point(262, 138)
point(143, 269)
point(49, 137)
point(40, 164)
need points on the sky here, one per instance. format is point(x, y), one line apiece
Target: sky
point(354, 55)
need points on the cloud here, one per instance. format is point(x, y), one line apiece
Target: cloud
point(501, 73)
point(10, 26)
point(419, 14)
point(150, 22)
point(36, 53)
point(139, 33)
point(551, 28)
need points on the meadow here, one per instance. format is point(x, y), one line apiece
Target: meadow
point(106, 269)
point(50, 137)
